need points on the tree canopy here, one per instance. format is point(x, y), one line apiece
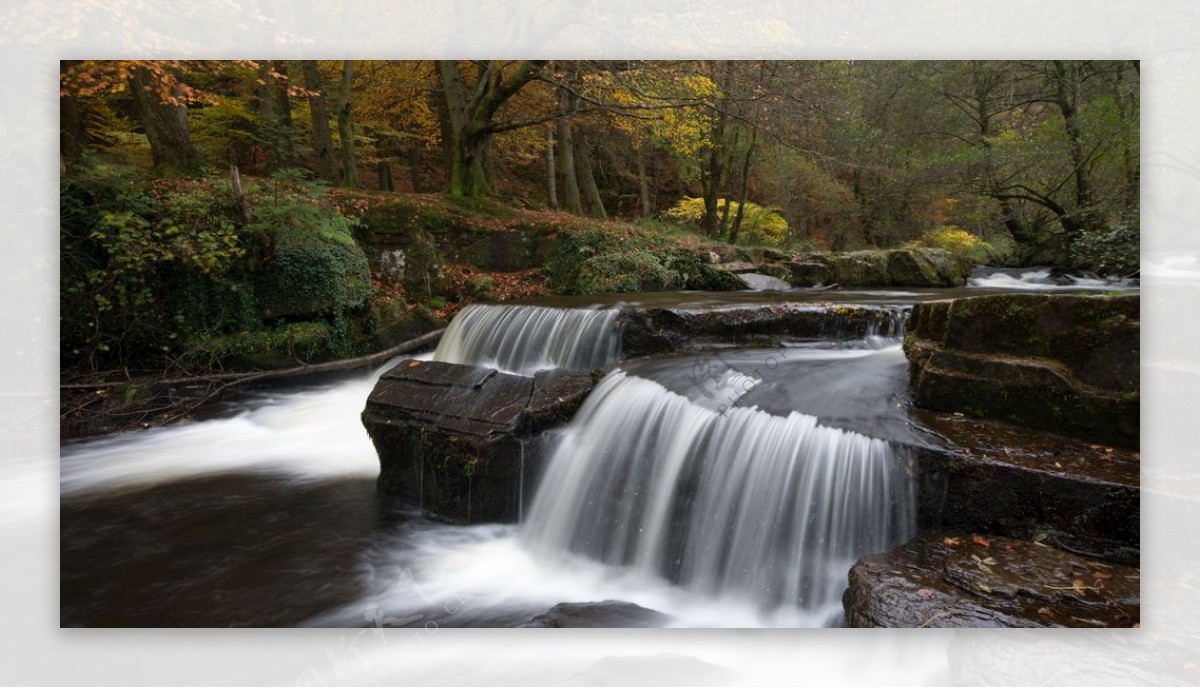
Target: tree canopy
point(1038, 157)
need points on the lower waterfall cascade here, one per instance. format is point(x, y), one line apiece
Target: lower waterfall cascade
point(771, 510)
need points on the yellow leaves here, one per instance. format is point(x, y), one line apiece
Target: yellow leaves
point(664, 105)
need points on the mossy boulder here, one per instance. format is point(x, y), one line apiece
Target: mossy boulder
point(596, 260)
point(1061, 363)
point(315, 271)
point(907, 267)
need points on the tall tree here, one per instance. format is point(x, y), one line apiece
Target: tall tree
point(322, 136)
point(71, 131)
point(349, 169)
point(164, 118)
point(471, 118)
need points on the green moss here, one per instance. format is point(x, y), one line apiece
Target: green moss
point(315, 270)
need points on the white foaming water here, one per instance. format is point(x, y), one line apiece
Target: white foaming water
point(308, 434)
point(766, 511)
point(1041, 280)
point(526, 339)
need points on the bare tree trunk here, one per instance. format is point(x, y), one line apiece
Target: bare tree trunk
point(322, 137)
point(385, 176)
point(1067, 82)
point(166, 125)
point(595, 203)
point(349, 171)
point(1127, 110)
point(71, 134)
point(643, 182)
point(551, 185)
point(741, 211)
point(239, 196)
point(283, 117)
point(566, 158)
point(414, 168)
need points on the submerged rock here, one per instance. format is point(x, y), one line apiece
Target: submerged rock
point(454, 439)
point(658, 330)
point(971, 581)
point(1062, 363)
point(606, 614)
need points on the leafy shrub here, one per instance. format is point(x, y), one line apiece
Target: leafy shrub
point(125, 243)
point(154, 268)
point(760, 224)
point(962, 242)
point(1112, 250)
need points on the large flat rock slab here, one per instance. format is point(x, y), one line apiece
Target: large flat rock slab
point(647, 331)
point(1062, 363)
point(1006, 480)
point(460, 441)
point(971, 581)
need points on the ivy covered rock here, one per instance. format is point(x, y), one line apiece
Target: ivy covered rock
point(315, 270)
point(1062, 363)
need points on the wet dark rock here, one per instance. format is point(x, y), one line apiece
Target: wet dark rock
point(452, 438)
point(556, 396)
point(606, 614)
point(659, 330)
point(993, 478)
point(1062, 363)
point(1068, 276)
point(961, 580)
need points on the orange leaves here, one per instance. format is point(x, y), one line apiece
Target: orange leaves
point(951, 541)
point(981, 541)
point(164, 78)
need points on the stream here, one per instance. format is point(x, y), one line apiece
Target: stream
point(736, 497)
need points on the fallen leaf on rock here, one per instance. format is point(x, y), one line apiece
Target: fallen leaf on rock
point(951, 541)
point(1045, 611)
point(1079, 587)
point(981, 541)
point(924, 593)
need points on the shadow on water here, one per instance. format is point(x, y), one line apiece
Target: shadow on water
point(221, 550)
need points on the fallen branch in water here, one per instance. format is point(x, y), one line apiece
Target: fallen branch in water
point(332, 366)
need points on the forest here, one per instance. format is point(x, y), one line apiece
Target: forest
point(600, 344)
point(189, 186)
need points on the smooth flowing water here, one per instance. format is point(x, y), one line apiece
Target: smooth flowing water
point(764, 509)
point(526, 339)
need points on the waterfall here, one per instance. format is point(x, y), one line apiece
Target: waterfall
point(768, 509)
point(526, 339)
